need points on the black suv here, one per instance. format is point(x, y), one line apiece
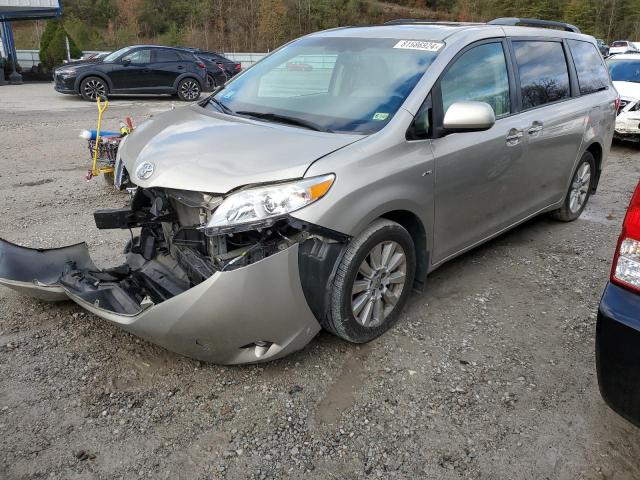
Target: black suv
point(137, 69)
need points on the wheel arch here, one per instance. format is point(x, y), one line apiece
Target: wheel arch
point(595, 149)
point(99, 75)
point(189, 75)
point(416, 229)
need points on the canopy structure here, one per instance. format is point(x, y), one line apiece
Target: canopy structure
point(15, 10)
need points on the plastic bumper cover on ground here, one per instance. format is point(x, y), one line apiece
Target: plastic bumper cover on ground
point(251, 314)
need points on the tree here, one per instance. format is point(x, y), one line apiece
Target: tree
point(272, 23)
point(53, 49)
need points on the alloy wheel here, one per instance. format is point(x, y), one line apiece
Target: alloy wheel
point(378, 284)
point(94, 89)
point(190, 90)
point(580, 187)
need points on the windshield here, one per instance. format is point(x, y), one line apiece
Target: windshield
point(353, 85)
point(625, 70)
point(114, 55)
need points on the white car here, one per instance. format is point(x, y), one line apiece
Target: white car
point(625, 73)
point(622, 46)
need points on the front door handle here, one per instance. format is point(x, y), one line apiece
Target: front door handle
point(536, 127)
point(514, 136)
point(180, 67)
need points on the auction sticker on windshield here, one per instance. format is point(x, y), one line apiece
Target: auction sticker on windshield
point(419, 45)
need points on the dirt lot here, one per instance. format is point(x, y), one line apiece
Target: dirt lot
point(489, 374)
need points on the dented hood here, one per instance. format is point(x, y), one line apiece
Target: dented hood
point(193, 148)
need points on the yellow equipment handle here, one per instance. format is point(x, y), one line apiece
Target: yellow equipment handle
point(102, 106)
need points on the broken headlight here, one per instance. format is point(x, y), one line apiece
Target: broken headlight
point(257, 206)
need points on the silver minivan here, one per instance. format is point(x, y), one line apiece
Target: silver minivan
point(323, 184)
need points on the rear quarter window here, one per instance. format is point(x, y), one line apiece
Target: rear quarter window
point(543, 72)
point(592, 74)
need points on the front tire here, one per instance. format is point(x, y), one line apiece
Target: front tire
point(189, 90)
point(579, 190)
point(93, 87)
point(372, 282)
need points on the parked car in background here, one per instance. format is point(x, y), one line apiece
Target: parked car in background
point(618, 324)
point(140, 69)
point(216, 74)
point(219, 68)
point(293, 200)
point(603, 47)
point(230, 67)
point(622, 46)
point(625, 74)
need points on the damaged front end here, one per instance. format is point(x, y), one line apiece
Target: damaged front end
point(628, 120)
point(235, 296)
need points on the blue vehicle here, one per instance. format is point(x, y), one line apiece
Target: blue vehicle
point(618, 327)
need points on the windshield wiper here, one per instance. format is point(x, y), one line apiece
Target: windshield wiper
point(222, 106)
point(276, 117)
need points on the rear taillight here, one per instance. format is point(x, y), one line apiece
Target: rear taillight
point(202, 65)
point(625, 270)
point(616, 103)
point(237, 67)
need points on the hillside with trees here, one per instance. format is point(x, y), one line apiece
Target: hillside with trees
point(261, 25)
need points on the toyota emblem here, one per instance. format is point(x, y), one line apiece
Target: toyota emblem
point(145, 170)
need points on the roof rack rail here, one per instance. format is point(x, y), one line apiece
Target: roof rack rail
point(533, 22)
point(420, 21)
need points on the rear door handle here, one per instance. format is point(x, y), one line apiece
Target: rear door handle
point(514, 136)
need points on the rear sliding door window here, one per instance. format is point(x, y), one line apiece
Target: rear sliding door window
point(544, 77)
point(592, 76)
point(479, 74)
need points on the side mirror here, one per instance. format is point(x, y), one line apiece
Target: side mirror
point(469, 117)
point(126, 61)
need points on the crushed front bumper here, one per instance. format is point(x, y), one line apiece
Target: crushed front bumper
point(250, 314)
point(628, 120)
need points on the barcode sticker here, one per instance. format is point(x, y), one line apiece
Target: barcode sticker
point(419, 45)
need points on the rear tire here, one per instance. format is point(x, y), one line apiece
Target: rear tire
point(579, 190)
point(189, 90)
point(211, 83)
point(372, 282)
point(92, 87)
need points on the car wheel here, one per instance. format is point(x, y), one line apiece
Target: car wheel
point(211, 83)
point(188, 90)
point(579, 190)
point(92, 88)
point(372, 282)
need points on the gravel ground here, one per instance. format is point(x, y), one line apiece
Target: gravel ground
point(488, 375)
